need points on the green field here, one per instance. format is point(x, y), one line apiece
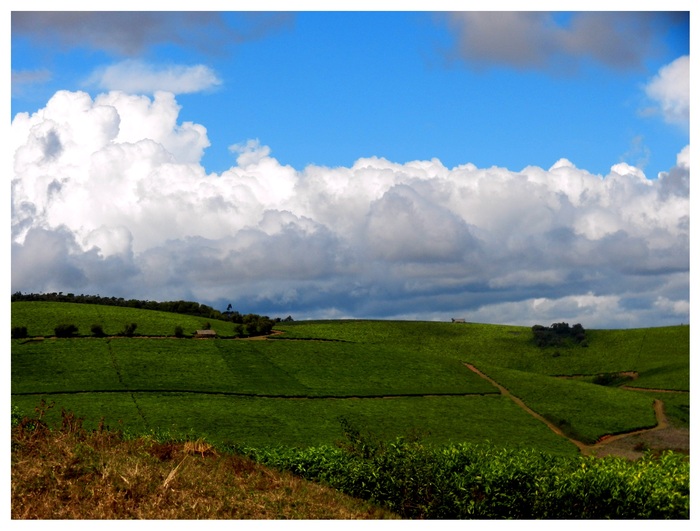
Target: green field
point(391, 378)
point(41, 318)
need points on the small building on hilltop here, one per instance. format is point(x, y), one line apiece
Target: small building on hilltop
point(205, 334)
point(457, 320)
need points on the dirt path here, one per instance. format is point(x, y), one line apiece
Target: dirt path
point(258, 338)
point(651, 390)
point(606, 445)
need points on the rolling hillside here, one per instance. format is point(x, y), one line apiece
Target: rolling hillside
point(391, 378)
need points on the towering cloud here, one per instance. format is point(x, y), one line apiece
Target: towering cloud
point(109, 197)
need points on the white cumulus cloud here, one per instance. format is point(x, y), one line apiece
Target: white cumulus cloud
point(109, 196)
point(670, 89)
point(137, 77)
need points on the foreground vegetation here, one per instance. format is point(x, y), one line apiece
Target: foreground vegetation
point(465, 481)
point(69, 472)
point(73, 473)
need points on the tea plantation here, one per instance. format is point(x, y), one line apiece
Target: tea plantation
point(312, 385)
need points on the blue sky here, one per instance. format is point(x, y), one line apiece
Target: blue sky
point(504, 167)
point(329, 88)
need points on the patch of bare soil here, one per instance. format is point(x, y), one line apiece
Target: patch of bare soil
point(633, 375)
point(657, 440)
point(259, 338)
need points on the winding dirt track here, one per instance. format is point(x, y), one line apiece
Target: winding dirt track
point(586, 449)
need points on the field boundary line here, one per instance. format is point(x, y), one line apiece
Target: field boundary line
point(252, 395)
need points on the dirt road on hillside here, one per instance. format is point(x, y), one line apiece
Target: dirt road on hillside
point(630, 445)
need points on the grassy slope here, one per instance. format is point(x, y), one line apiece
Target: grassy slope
point(264, 422)
point(367, 358)
point(586, 410)
point(264, 368)
point(41, 318)
point(100, 475)
point(506, 353)
point(660, 355)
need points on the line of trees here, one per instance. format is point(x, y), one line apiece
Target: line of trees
point(184, 307)
point(255, 324)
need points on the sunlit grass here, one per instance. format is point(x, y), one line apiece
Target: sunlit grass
point(71, 473)
point(393, 377)
point(41, 318)
point(585, 410)
point(304, 422)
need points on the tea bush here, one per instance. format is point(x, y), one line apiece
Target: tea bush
point(464, 481)
point(19, 332)
point(97, 330)
point(128, 330)
point(65, 330)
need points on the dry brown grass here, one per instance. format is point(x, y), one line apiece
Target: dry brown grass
point(69, 473)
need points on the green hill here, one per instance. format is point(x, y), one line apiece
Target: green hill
point(41, 318)
point(391, 378)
